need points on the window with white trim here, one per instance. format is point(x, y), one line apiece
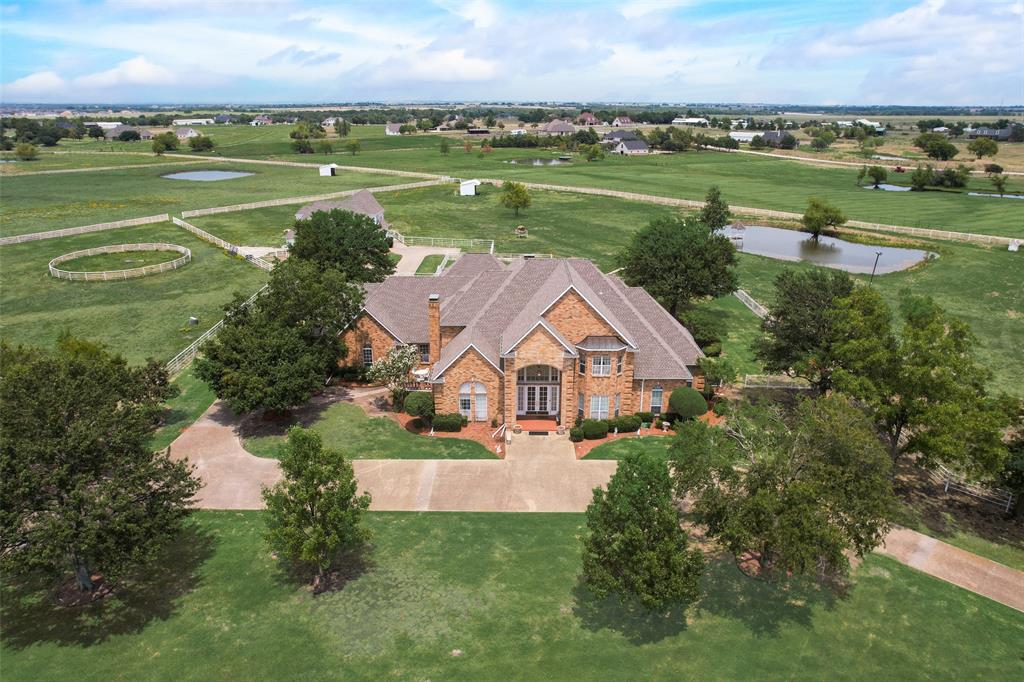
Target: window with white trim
point(657, 393)
point(618, 403)
point(599, 407)
point(424, 349)
point(579, 407)
point(601, 366)
point(583, 364)
point(618, 364)
point(367, 355)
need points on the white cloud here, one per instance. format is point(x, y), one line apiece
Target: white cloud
point(136, 71)
point(42, 84)
point(640, 8)
point(480, 13)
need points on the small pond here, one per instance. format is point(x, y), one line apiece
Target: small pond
point(538, 162)
point(828, 252)
point(997, 196)
point(206, 175)
point(888, 187)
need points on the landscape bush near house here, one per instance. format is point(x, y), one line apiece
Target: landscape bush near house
point(594, 429)
point(687, 403)
point(420, 404)
point(449, 422)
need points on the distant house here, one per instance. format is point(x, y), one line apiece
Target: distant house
point(328, 170)
point(874, 125)
point(104, 125)
point(186, 133)
point(362, 202)
point(224, 119)
point(743, 135)
point(559, 127)
point(393, 129)
point(622, 121)
point(773, 138)
point(691, 121)
point(998, 134)
point(467, 188)
point(619, 136)
point(632, 147)
point(114, 133)
point(145, 134)
point(261, 120)
point(327, 122)
point(588, 119)
point(192, 122)
point(941, 129)
point(517, 132)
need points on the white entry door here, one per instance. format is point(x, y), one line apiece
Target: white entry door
point(534, 399)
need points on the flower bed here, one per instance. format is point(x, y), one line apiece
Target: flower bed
point(478, 431)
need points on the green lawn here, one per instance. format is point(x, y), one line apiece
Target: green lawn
point(180, 412)
point(139, 318)
point(58, 158)
point(118, 261)
point(48, 202)
point(656, 446)
point(502, 591)
point(347, 427)
point(429, 264)
point(740, 327)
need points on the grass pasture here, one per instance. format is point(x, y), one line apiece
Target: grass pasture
point(347, 427)
point(48, 202)
point(139, 318)
point(118, 261)
point(494, 597)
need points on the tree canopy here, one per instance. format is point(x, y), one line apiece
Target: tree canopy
point(678, 261)
point(936, 146)
point(797, 337)
point(315, 514)
point(820, 216)
point(715, 213)
point(350, 242)
point(791, 492)
point(514, 195)
point(393, 369)
point(634, 545)
point(982, 147)
point(80, 489)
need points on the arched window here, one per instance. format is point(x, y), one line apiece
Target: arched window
point(657, 394)
point(473, 401)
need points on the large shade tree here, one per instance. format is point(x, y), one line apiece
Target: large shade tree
point(921, 382)
point(80, 490)
point(789, 493)
point(679, 261)
point(635, 546)
point(275, 352)
point(798, 339)
point(347, 241)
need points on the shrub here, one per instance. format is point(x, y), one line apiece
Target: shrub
point(625, 423)
point(713, 349)
point(26, 152)
point(420, 404)
point(645, 417)
point(993, 168)
point(448, 422)
point(593, 429)
point(687, 403)
point(576, 434)
point(721, 407)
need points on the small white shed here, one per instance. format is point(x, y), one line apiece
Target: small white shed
point(467, 188)
point(328, 170)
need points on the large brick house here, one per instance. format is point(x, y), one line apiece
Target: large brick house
point(537, 338)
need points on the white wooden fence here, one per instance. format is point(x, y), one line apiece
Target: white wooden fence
point(183, 359)
point(476, 245)
point(950, 480)
point(70, 231)
point(217, 241)
point(749, 301)
point(108, 275)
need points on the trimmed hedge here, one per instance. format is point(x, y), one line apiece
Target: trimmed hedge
point(593, 429)
point(646, 417)
point(420, 404)
point(687, 402)
point(576, 434)
point(448, 422)
point(624, 423)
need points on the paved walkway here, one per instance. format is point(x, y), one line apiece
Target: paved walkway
point(412, 256)
point(538, 474)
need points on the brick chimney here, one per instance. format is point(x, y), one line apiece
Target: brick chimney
point(434, 326)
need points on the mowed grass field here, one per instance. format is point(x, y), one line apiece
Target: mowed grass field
point(51, 159)
point(139, 318)
point(495, 597)
point(47, 202)
point(745, 180)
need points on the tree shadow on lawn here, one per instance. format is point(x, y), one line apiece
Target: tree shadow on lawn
point(260, 424)
point(764, 606)
point(31, 616)
point(629, 618)
point(351, 565)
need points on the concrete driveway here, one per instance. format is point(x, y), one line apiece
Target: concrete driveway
point(412, 256)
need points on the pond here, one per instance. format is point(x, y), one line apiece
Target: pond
point(889, 188)
point(827, 252)
point(206, 175)
point(998, 196)
point(538, 162)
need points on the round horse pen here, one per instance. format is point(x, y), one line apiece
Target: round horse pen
point(108, 275)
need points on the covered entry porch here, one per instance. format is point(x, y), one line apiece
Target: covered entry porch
point(538, 394)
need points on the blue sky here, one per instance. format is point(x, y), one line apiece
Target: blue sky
point(822, 52)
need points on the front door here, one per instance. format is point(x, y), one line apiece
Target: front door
point(538, 399)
